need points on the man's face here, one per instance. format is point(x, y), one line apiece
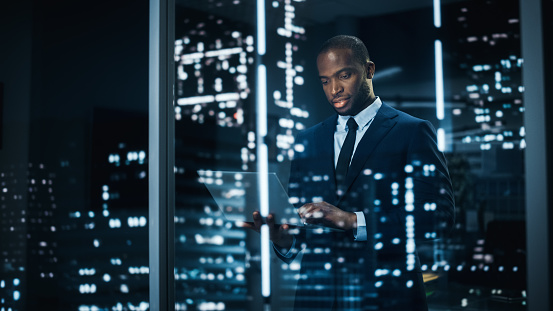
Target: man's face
point(347, 83)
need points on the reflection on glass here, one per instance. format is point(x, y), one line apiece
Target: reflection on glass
point(481, 264)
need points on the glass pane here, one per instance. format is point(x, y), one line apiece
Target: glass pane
point(73, 163)
point(476, 110)
point(486, 253)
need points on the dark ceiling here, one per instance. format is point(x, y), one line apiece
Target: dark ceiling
point(310, 12)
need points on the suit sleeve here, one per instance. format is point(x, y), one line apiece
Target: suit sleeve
point(425, 204)
point(433, 203)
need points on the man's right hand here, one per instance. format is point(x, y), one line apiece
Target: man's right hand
point(278, 234)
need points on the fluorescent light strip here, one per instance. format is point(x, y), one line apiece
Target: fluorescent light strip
point(189, 58)
point(437, 14)
point(261, 100)
point(195, 100)
point(262, 152)
point(186, 101)
point(263, 183)
point(192, 56)
point(265, 262)
point(441, 139)
point(261, 43)
point(222, 52)
point(263, 169)
point(439, 79)
point(227, 96)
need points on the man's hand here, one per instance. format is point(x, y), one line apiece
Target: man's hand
point(278, 234)
point(328, 215)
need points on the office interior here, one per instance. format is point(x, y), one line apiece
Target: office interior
point(76, 85)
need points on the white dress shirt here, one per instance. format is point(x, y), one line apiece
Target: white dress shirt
point(363, 120)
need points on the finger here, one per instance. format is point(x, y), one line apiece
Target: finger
point(270, 219)
point(311, 211)
point(248, 225)
point(305, 209)
point(317, 214)
point(283, 230)
point(271, 223)
point(306, 206)
point(245, 224)
point(258, 222)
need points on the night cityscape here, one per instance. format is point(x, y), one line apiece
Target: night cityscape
point(74, 210)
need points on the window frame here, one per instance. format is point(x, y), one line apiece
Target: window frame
point(161, 155)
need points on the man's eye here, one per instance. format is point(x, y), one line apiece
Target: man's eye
point(345, 76)
point(324, 82)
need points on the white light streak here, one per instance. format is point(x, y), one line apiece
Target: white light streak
point(262, 151)
point(437, 14)
point(388, 72)
point(441, 139)
point(189, 58)
point(261, 43)
point(227, 97)
point(262, 100)
point(224, 52)
point(195, 100)
point(265, 262)
point(439, 79)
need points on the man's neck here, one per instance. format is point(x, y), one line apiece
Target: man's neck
point(369, 101)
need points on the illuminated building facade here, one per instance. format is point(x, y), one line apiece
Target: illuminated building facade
point(488, 126)
point(14, 236)
point(110, 270)
point(94, 257)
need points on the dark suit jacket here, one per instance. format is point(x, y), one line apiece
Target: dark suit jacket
point(399, 179)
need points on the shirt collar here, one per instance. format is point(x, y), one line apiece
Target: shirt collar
point(363, 118)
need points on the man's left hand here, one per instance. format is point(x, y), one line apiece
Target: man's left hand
point(328, 215)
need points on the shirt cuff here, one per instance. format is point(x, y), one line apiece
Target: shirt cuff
point(289, 254)
point(360, 233)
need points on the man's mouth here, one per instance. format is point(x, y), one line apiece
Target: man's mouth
point(340, 102)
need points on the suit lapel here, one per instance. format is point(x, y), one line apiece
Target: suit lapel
point(383, 122)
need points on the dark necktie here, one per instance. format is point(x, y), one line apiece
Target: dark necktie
point(345, 155)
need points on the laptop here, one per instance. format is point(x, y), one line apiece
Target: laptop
point(238, 195)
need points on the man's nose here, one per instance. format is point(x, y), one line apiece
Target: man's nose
point(336, 88)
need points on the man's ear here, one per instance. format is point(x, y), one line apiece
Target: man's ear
point(370, 70)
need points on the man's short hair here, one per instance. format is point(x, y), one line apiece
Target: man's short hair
point(352, 43)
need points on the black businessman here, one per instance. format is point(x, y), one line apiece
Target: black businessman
point(376, 177)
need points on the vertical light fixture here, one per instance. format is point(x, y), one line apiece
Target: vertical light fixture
point(439, 79)
point(438, 65)
point(437, 14)
point(261, 42)
point(441, 139)
point(262, 150)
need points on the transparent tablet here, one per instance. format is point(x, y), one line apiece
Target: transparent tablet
point(237, 194)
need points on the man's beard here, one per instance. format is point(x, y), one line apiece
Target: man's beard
point(361, 98)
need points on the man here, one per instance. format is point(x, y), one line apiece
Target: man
point(393, 190)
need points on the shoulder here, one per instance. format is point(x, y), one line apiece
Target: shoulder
point(404, 119)
point(399, 115)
